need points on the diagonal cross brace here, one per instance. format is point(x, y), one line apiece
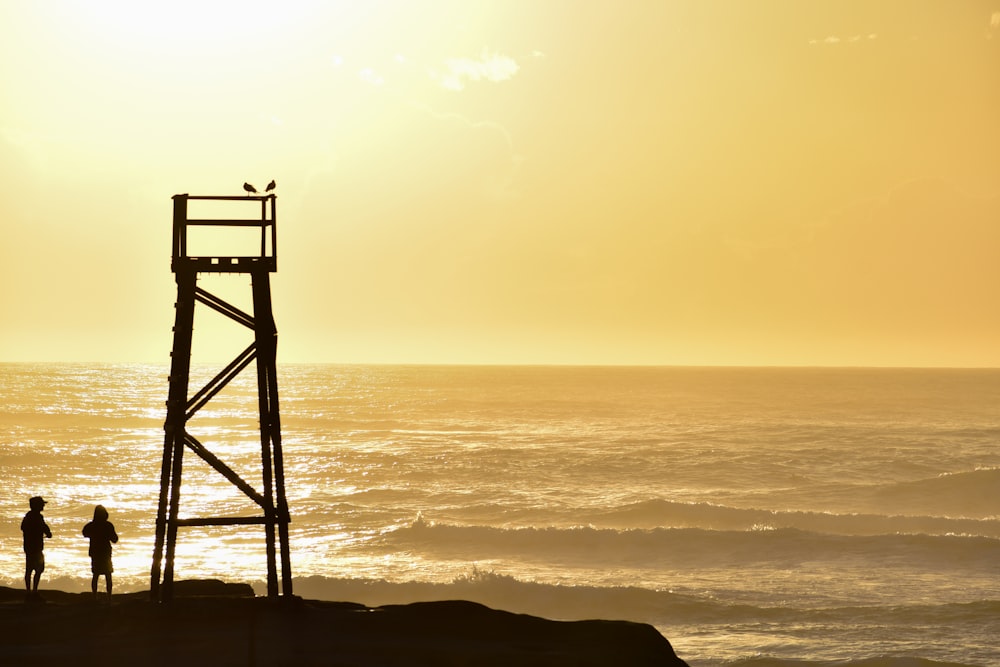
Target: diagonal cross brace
point(227, 472)
point(223, 378)
point(226, 309)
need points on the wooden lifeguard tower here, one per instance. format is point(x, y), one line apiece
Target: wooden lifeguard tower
point(181, 405)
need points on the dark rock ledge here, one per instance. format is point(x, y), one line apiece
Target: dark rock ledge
point(218, 624)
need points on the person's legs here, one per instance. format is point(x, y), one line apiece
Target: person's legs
point(107, 579)
point(93, 584)
point(34, 564)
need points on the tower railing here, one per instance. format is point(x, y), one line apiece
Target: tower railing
point(267, 223)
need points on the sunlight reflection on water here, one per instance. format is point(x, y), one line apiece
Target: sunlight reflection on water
point(734, 487)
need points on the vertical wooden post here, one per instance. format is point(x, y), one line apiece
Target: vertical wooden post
point(265, 334)
point(173, 442)
point(267, 378)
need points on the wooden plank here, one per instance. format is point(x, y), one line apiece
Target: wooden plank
point(218, 222)
point(229, 197)
point(224, 521)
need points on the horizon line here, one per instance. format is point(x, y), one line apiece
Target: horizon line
point(526, 364)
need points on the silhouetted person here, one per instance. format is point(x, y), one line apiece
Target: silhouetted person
point(102, 534)
point(270, 186)
point(249, 188)
point(35, 531)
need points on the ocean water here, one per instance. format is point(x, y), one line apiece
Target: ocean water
point(754, 516)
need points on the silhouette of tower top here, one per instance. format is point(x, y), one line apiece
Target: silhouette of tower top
point(219, 253)
point(215, 262)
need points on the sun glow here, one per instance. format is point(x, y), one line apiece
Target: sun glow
point(189, 27)
point(498, 181)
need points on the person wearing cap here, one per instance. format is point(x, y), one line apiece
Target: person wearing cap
point(35, 531)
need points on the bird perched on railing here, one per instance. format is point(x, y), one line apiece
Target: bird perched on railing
point(249, 188)
point(270, 186)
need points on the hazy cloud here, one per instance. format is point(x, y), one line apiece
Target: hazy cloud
point(854, 39)
point(391, 158)
point(493, 67)
point(370, 76)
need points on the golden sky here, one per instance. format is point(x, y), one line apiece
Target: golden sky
point(514, 181)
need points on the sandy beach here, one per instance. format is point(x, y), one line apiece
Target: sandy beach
point(218, 624)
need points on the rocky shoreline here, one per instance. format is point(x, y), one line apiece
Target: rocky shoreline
point(219, 624)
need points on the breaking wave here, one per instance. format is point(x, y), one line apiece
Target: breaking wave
point(663, 513)
point(697, 547)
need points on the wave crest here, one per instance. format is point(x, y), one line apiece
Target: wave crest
point(694, 547)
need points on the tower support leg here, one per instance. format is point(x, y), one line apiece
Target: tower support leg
point(272, 468)
point(173, 442)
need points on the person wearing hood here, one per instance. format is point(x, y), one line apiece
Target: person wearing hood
point(102, 535)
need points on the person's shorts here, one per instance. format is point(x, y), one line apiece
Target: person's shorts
point(101, 565)
point(34, 561)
